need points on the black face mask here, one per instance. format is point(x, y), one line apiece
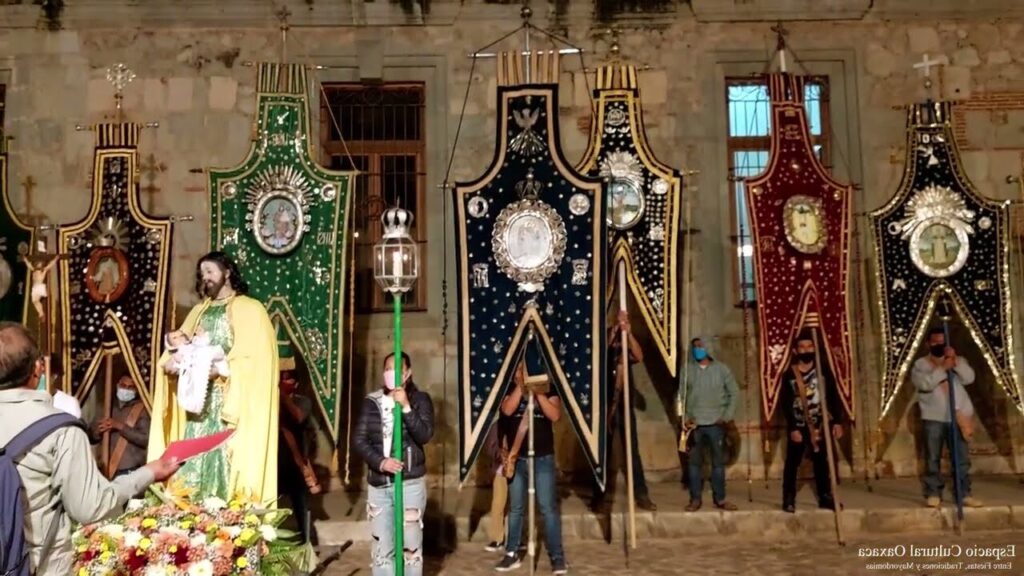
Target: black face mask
point(805, 357)
point(938, 350)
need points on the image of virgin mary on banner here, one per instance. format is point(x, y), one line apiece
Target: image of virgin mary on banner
point(939, 238)
point(530, 239)
point(643, 204)
point(800, 218)
point(114, 280)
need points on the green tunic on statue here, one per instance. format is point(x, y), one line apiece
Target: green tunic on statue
point(207, 475)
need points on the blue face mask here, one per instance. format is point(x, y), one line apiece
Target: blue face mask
point(699, 354)
point(41, 387)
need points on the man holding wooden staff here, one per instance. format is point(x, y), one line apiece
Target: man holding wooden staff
point(801, 395)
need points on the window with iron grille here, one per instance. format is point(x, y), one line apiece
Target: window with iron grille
point(748, 144)
point(379, 130)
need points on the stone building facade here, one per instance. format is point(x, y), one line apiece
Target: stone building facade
point(190, 60)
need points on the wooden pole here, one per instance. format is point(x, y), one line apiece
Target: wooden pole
point(827, 426)
point(108, 392)
point(531, 545)
point(627, 409)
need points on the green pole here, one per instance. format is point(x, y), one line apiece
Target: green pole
point(396, 445)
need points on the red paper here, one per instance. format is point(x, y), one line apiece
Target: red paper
point(183, 450)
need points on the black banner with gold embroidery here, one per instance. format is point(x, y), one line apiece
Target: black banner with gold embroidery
point(643, 201)
point(15, 242)
point(531, 245)
point(114, 280)
point(939, 237)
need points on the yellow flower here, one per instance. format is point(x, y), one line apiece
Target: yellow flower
point(252, 519)
point(83, 572)
point(186, 525)
point(105, 556)
point(82, 548)
point(149, 523)
point(235, 507)
point(173, 548)
point(104, 547)
point(145, 543)
point(241, 562)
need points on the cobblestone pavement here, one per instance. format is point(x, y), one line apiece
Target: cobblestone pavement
point(912, 555)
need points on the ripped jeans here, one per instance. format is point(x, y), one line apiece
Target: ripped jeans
point(380, 511)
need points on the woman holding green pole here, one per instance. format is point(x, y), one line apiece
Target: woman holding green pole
point(373, 442)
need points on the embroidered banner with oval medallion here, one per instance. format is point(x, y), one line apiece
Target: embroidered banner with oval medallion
point(938, 237)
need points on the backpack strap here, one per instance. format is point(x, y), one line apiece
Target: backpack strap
point(36, 432)
point(25, 441)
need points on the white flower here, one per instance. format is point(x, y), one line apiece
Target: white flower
point(155, 570)
point(175, 531)
point(132, 538)
point(214, 504)
point(201, 568)
point(268, 533)
point(270, 517)
point(112, 530)
point(134, 505)
point(233, 531)
point(197, 541)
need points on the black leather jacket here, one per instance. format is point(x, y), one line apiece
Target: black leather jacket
point(417, 429)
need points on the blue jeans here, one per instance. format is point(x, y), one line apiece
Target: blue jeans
point(547, 501)
point(380, 510)
point(714, 437)
point(936, 434)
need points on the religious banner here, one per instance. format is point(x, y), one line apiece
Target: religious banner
point(530, 239)
point(938, 237)
point(800, 219)
point(15, 240)
point(642, 206)
point(115, 277)
point(284, 219)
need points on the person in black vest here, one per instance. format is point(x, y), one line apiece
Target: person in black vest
point(372, 442)
point(547, 409)
point(800, 401)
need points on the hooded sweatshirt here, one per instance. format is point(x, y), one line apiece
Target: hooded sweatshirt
point(711, 390)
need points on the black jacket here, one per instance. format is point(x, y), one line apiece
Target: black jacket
point(417, 429)
point(792, 409)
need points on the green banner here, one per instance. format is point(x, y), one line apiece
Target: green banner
point(284, 219)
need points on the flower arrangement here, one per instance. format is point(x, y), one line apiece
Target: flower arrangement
point(167, 537)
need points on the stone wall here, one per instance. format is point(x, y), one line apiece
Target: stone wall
point(192, 79)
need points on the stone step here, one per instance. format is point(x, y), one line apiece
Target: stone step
point(888, 507)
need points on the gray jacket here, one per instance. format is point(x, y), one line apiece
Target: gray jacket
point(711, 390)
point(61, 480)
point(927, 377)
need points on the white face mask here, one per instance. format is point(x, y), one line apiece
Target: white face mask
point(389, 379)
point(125, 395)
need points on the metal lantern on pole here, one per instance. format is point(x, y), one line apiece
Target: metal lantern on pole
point(396, 266)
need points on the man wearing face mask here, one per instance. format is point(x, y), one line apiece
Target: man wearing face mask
point(129, 431)
point(931, 378)
point(800, 401)
point(711, 396)
point(372, 441)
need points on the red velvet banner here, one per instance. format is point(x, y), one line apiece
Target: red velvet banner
point(800, 218)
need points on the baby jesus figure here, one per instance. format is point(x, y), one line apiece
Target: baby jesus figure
point(195, 361)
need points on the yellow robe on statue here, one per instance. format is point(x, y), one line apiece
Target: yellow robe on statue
point(251, 402)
